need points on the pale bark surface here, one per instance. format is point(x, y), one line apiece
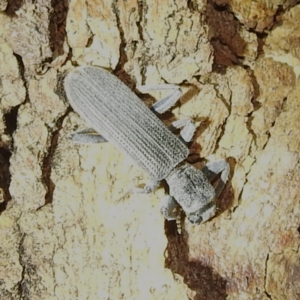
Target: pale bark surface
point(69, 226)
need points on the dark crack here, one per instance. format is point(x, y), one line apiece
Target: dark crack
point(5, 177)
point(22, 75)
point(261, 38)
point(226, 40)
point(13, 6)
point(47, 162)
point(219, 7)
point(265, 277)
point(192, 5)
point(48, 159)
point(57, 26)
point(6, 148)
point(10, 119)
point(21, 289)
point(223, 125)
point(119, 70)
point(22, 71)
point(141, 19)
point(256, 105)
point(277, 18)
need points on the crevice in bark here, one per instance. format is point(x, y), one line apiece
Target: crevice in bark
point(239, 197)
point(217, 7)
point(13, 6)
point(199, 277)
point(220, 96)
point(141, 23)
point(265, 279)
point(47, 162)
point(192, 6)
point(21, 288)
point(261, 38)
point(274, 122)
point(256, 92)
point(119, 70)
point(256, 106)
point(141, 19)
point(227, 44)
point(10, 119)
point(3, 206)
point(278, 17)
point(22, 75)
point(57, 26)
point(5, 177)
point(90, 40)
point(48, 159)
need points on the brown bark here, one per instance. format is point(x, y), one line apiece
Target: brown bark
point(69, 226)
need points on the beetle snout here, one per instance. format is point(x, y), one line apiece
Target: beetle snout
point(203, 214)
point(195, 219)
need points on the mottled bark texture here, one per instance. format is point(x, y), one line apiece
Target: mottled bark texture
point(69, 226)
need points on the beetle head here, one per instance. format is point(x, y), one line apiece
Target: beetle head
point(203, 214)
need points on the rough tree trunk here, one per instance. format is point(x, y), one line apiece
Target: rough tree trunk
point(70, 228)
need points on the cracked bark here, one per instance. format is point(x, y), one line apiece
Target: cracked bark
point(266, 275)
point(72, 229)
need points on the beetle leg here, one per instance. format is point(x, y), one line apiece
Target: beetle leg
point(148, 188)
point(187, 131)
point(87, 136)
point(167, 102)
point(212, 169)
point(168, 208)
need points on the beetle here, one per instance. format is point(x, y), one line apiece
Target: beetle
point(119, 116)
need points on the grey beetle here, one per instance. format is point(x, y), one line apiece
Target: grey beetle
point(107, 105)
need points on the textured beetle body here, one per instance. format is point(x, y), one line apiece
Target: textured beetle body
point(193, 192)
point(114, 111)
point(124, 120)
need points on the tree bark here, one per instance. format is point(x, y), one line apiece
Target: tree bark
point(70, 228)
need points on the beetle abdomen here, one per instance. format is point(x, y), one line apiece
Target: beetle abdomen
point(114, 111)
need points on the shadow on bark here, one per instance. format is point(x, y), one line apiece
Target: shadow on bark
point(199, 277)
